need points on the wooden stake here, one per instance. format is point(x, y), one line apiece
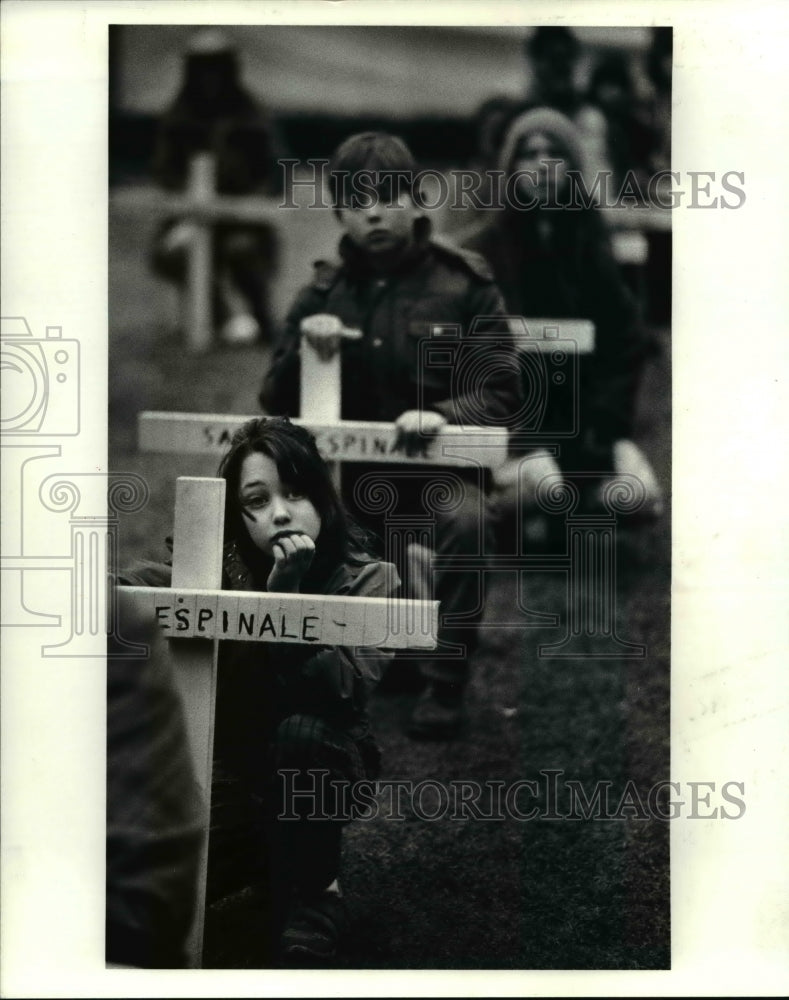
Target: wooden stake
point(197, 562)
point(202, 172)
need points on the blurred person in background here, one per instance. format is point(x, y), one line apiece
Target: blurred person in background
point(558, 263)
point(154, 806)
point(615, 110)
point(552, 54)
point(214, 113)
point(656, 72)
point(659, 61)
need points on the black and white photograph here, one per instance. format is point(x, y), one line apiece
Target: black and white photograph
point(394, 337)
point(405, 229)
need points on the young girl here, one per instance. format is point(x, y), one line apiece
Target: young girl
point(287, 712)
point(552, 258)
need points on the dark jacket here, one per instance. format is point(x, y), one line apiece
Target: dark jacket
point(572, 274)
point(382, 373)
point(154, 805)
point(262, 683)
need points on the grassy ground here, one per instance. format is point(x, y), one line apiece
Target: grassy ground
point(455, 893)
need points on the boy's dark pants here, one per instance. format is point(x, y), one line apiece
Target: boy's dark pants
point(445, 509)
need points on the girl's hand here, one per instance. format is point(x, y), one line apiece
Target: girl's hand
point(293, 555)
point(324, 332)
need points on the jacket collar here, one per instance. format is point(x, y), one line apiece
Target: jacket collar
point(359, 266)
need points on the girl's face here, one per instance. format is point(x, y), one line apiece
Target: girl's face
point(533, 156)
point(271, 508)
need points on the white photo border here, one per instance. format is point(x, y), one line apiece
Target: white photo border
point(730, 881)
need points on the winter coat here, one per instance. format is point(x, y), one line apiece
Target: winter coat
point(262, 683)
point(386, 372)
point(558, 264)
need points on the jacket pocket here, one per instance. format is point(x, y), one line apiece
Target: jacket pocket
point(431, 357)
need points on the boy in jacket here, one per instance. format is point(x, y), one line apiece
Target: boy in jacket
point(396, 284)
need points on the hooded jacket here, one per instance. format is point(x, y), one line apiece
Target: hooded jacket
point(566, 270)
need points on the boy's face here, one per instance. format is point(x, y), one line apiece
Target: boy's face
point(379, 225)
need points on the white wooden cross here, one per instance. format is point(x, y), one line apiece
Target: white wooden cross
point(363, 441)
point(195, 613)
point(204, 208)
point(366, 441)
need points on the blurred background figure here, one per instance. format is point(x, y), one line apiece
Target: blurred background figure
point(214, 113)
point(558, 263)
point(154, 806)
point(656, 75)
point(553, 55)
point(659, 59)
point(614, 110)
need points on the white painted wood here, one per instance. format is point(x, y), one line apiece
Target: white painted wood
point(543, 334)
point(320, 386)
point(197, 562)
point(202, 171)
point(321, 393)
point(630, 247)
point(249, 616)
point(244, 208)
point(140, 201)
point(345, 441)
point(196, 614)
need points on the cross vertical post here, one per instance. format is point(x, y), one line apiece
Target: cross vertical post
point(321, 392)
point(197, 562)
point(202, 174)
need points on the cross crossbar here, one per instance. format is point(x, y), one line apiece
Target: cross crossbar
point(290, 618)
point(345, 440)
point(194, 609)
point(363, 441)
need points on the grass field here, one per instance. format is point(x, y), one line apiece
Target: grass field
point(454, 893)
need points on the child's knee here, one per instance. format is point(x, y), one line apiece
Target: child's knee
point(298, 741)
point(518, 481)
point(634, 482)
point(459, 528)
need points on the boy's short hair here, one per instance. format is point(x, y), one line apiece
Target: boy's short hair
point(372, 164)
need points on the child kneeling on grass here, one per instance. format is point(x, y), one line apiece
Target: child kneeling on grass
point(287, 712)
point(397, 289)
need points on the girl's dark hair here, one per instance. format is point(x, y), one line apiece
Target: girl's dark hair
point(386, 157)
point(299, 464)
